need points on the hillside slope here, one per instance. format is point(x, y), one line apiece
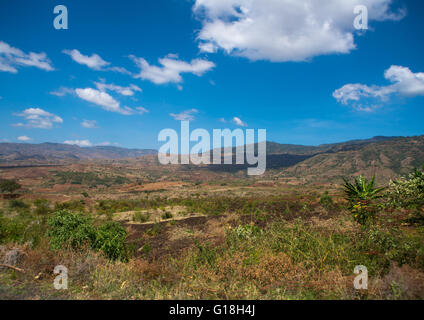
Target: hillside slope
point(10, 152)
point(386, 159)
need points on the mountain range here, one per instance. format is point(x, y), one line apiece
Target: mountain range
point(386, 157)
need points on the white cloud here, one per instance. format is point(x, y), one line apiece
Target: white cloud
point(80, 143)
point(141, 110)
point(89, 124)
point(171, 69)
point(38, 118)
point(239, 122)
point(103, 99)
point(11, 58)
point(24, 138)
point(94, 61)
point(367, 98)
point(125, 91)
point(283, 30)
point(187, 115)
point(62, 91)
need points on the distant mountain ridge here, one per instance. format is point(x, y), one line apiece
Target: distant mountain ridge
point(387, 157)
point(57, 151)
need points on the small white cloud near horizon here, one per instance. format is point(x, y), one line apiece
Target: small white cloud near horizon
point(284, 30)
point(89, 124)
point(187, 115)
point(79, 143)
point(24, 138)
point(171, 69)
point(103, 144)
point(103, 99)
point(239, 122)
point(11, 58)
point(37, 118)
point(362, 97)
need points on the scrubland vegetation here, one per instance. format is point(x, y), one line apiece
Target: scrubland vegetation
point(221, 245)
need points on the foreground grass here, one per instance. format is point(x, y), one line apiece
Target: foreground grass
point(296, 259)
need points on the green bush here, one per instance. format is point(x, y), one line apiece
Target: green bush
point(141, 217)
point(326, 201)
point(21, 229)
point(408, 192)
point(110, 239)
point(68, 228)
point(167, 215)
point(42, 207)
point(9, 186)
point(77, 230)
point(247, 231)
point(18, 205)
point(73, 205)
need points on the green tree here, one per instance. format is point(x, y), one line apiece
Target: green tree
point(9, 186)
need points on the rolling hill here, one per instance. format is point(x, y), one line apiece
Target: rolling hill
point(10, 152)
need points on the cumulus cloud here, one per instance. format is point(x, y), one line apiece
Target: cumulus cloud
point(24, 138)
point(94, 61)
point(367, 98)
point(106, 101)
point(239, 122)
point(283, 30)
point(171, 69)
point(79, 143)
point(11, 58)
point(38, 118)
point(103, 99)
point(89, 124)
point(187, 115)
point(125, 91)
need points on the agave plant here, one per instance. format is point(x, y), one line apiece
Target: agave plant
point(361, 189)
point(360, 195)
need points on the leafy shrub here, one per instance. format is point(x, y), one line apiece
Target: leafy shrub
point(68, 228)
point(9, 186)
point(247, 231)
point(141, 217)
point(42, 207)
point(18, 205)
point(110, 239)
point(361, 195)
point(407, 192)
point(73, 205)
point(326, 201)
point(167, 215)
point(77, 230)
point(21, 229)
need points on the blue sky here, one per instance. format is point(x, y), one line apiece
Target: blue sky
point(226, 64)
